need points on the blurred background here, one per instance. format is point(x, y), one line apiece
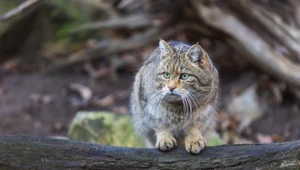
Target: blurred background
point(60, 57)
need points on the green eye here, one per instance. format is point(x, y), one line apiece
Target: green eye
point(184, 76)
point(167, 75)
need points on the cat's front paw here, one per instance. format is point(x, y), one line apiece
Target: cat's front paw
point(194, 144)
point(166, 143)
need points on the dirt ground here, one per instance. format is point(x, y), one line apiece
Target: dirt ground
point(37, 104)
point(33, 103)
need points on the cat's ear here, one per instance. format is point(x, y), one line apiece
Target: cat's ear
point(197, 55)
point(165, 48)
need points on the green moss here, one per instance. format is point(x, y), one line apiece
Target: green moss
point(214, 140)
point(104, 128)
point(72, 10)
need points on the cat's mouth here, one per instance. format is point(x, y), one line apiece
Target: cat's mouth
point(172, 97)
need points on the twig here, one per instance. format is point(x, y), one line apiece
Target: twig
point(24, 7)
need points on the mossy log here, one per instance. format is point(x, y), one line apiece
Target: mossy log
point(26, 152)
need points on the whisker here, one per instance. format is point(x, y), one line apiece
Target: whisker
point(194, 99)
point(189, 108)
point(155, 94)
point(183, 104)
point(160, 98)
point(156, 98)
point(190, 104)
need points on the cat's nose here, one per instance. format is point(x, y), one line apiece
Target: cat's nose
point(171, 88)
point(172, 85)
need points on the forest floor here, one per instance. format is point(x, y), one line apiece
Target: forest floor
point(38, 104)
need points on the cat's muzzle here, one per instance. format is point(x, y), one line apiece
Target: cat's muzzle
point(172, 97)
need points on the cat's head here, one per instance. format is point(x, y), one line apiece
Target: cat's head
point(184, 73)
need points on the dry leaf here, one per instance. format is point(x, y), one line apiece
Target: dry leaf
point(264, 138)
point(106, 101)
point(84, 92)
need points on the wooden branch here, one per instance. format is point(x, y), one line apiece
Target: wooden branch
point(24, 7)
point(246, 40)
point(132, 22)
point(104, 49)
point(113, 47)
point(25, 152)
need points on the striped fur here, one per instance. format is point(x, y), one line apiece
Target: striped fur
point(185, 115)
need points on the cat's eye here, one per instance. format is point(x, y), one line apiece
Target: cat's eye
point(166, 75)
point(184, 76)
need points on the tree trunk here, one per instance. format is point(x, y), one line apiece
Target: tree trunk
point(25, 152)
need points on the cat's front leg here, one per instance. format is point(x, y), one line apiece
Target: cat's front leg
point(165, 140)
point(194, 140)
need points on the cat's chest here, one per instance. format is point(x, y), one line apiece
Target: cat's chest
point(170, 116)
point(175, 117)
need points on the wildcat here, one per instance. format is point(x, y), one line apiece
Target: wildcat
point(174, 97)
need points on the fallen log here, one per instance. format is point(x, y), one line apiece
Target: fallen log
point(26, 152)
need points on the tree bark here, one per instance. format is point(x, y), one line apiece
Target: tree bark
point(26, 152)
